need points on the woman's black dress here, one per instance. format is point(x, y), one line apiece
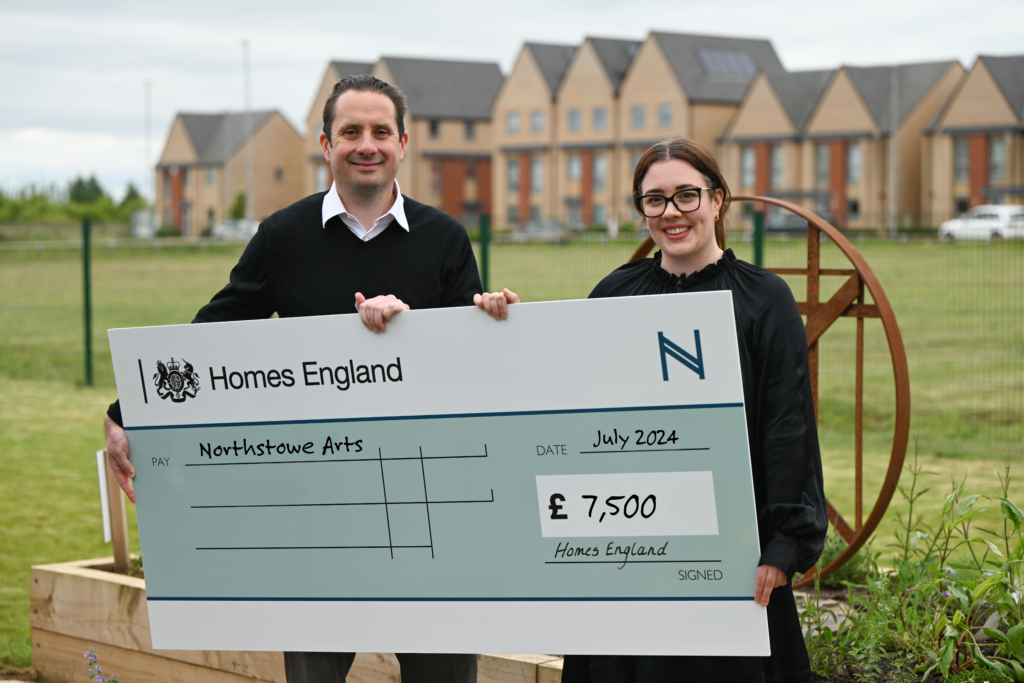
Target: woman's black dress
point(786, 462)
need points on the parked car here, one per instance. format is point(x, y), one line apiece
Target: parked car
point(241, 229)
point(986, 222)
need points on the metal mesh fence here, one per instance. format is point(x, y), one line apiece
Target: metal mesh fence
point(959, 306)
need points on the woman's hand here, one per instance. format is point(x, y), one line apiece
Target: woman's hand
point(496, 305)
point(768, 577)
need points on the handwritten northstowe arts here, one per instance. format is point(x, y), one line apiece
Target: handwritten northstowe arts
point(267, 447)
point(342, 377)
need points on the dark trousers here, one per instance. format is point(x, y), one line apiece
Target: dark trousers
point(333, 667)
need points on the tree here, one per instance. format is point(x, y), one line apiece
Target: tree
point(238, 206)
point(84, 191)
point(132, 197)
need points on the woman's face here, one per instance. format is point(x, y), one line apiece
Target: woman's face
point(686, 240)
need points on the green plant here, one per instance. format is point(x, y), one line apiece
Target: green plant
point(238, 206)
point(858, 570)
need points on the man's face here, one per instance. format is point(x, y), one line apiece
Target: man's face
point(364, 148)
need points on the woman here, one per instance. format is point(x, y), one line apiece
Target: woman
point(679, 189)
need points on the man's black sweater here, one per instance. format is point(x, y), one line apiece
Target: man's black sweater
point(295, 266)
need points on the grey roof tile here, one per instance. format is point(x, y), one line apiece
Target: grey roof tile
point(447, 89)
point(799, 92)
point(691, 57)
point(553, 61)
point(875, 86)
point(217, 136)
point(345, 69)
point(615, 56)
point(1008, 73)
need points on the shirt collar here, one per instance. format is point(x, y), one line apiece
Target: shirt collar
point(333, 206)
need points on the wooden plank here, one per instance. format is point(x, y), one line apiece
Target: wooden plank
point(110, 609)
point(58, 659)
point(550, 672)
point(825, 315)
point(375, 668)
point(118, 521)
point(510, 668)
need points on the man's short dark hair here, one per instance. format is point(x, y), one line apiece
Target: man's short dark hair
point(366, 83)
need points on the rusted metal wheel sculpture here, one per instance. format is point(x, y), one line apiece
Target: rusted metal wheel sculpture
point(847, 302)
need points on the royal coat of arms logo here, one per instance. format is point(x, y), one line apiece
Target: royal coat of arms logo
point(174, 382)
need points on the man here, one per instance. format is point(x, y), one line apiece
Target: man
point(359, 243)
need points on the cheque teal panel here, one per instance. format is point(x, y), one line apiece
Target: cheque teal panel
point(438, 508)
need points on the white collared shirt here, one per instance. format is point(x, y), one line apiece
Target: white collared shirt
point(333, 206)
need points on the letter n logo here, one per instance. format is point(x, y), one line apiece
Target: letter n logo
point(668, 348)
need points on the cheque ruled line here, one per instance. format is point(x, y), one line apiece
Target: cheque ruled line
point(320, 547)
point(426, 502)
point(648, 450)
point(387, 515)
point(299, 462)
point(314, 505)
point(633, 562)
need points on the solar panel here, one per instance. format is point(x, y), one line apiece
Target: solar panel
point(726, 62)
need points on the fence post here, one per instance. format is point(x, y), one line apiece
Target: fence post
point(759, 238)
point(485, 249)
point(87, 293)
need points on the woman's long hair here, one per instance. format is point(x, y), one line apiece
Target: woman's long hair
point(698, 156)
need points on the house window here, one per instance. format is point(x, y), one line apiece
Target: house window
point(536, 174)
point(600, 216)
point(600, 118)
point(664, 115)
point(184, 177)
point(634, 160)
point(211, 175)
point(470, 131)
point(535, 213)
point(960, 205)
point(322, 178)
point(471, 170)
point(435, 129)
point(513, 175)
point(600, 172)
point(748, 167)
point(575, 167)
point(512, 122)
point(279, 174)
point(537, 121)
point(167, 185)
point(575, 119)
point(997, 158)
point(209, 216)
point(961, 161)
point(513, 214)
point(778, 166)
point(853, 209)
point(854, 164)
point(821, 162)
point(637, 116)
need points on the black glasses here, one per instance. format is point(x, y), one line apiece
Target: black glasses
point(685, 201)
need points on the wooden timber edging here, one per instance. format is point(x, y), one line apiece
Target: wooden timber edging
point(80, 605)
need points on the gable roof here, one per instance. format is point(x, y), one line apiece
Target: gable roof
point(346, 69)
point(874, 83)
point(615, 56)
point(553, 61)
point(1008, 73)
point(447, 89)
point(692, 58)
point(216, 137)
point(799, 92)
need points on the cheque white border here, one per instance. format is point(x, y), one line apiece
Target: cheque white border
point(657, 627)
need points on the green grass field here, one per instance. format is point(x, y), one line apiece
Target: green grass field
point(959, 307)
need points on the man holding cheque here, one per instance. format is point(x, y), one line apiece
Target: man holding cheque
point(359, 243)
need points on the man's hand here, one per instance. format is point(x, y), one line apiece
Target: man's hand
point(768, 577)
point(376, 312)
point(496, 305)
point(117, 456)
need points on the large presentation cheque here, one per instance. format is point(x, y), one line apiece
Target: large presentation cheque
point(574, 479)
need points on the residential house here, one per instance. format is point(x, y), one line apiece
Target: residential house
point(204, 166)
point(974, 150)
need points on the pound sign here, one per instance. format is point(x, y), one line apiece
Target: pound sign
point(557, 498)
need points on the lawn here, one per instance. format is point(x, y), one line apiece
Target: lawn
point(959, 307)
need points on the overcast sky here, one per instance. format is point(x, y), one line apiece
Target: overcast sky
point(72, 73)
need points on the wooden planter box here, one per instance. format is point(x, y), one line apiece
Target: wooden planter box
point(81, 605)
